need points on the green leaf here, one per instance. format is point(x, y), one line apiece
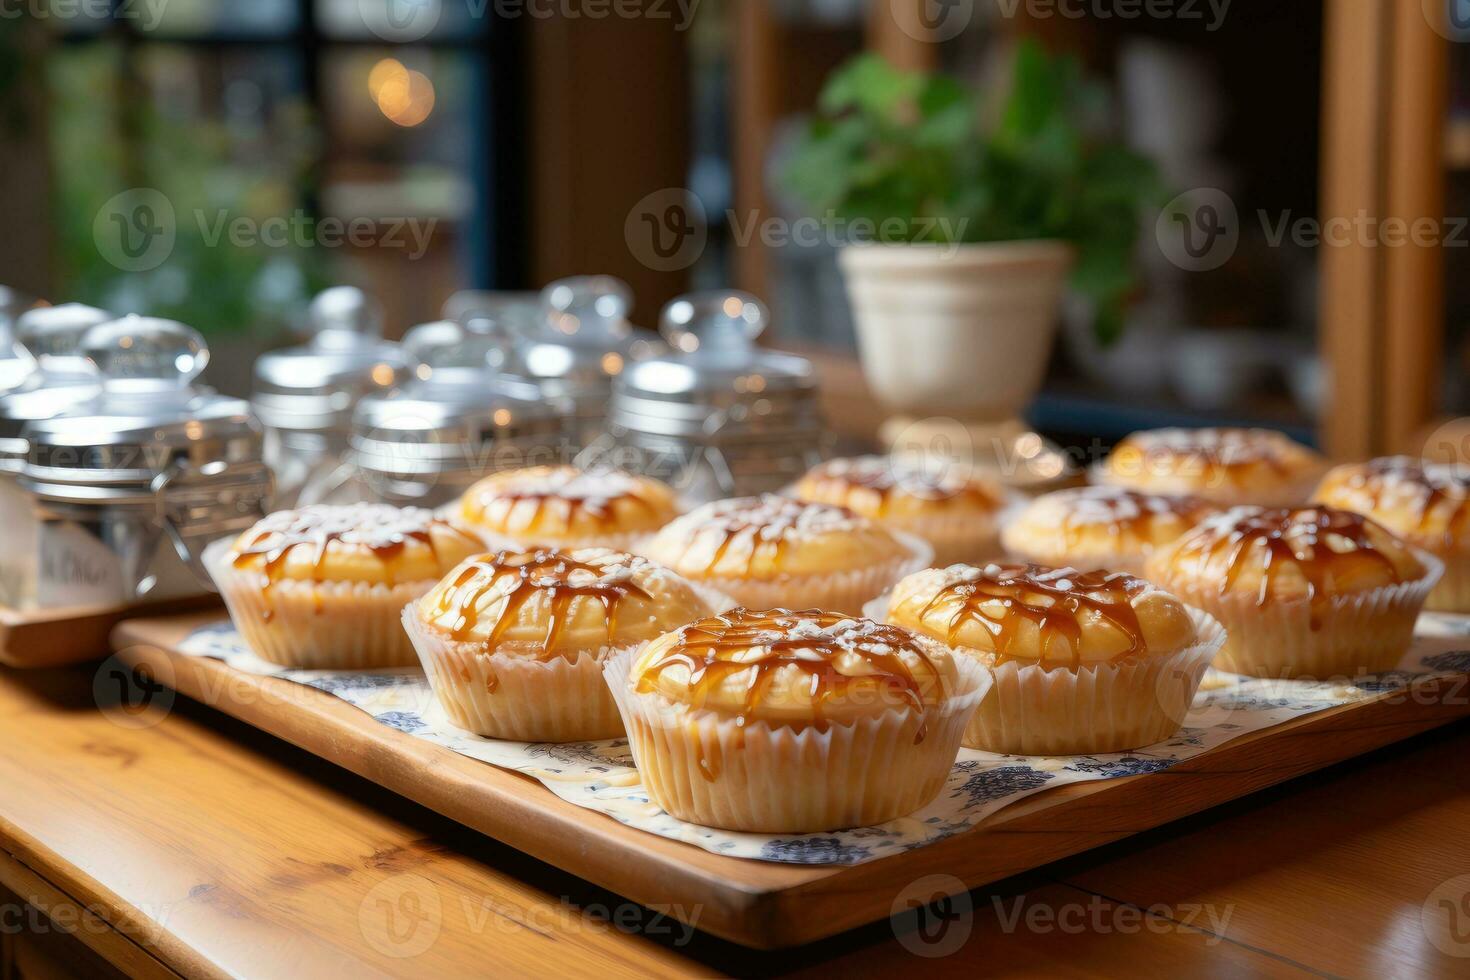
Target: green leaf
point(887, 144)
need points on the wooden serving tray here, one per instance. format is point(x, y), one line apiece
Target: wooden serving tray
point(754, 902)
point(76, 634)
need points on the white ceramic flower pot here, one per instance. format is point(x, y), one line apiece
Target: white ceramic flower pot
point(962, 330)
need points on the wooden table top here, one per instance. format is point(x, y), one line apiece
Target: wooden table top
point(208, 848)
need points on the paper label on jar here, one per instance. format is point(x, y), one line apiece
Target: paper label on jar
point(18, 556)
point(76, 569)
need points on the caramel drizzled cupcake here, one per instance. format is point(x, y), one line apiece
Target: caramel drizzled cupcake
point(565, 507)
point(513, 642)
point(773, 551)
point(1425, 504)
point(1310, 592)
point(1100, 527)
point(1226, 466)
point(1082, 662)
point(792, 722)
point(950, 506)
point(322, 587)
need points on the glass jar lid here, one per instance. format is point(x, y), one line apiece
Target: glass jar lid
point(314, 387)
point(147, 416)
point(52, 336)
point(585, 340)
point(518, 311)
point(57, 377)
point(449, 421)
point(16, 363)
point(716, 381)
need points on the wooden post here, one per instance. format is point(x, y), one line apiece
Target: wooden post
point(895, 40)
point(1382, 292)
point(1354, 75)
point(756, 107)
point(1413, 338)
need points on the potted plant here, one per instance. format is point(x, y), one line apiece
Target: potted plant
point(964, 228)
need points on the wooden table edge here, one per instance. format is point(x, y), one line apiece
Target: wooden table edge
point(770, 905)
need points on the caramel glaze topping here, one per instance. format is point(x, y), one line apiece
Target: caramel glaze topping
point(1423, 487)
point(1001, 598)
point(518, 576)
point(764, 527)
point(591, 493)
point(379, 528)
point(888, 478)
point(1166, 448)
point(1114, 510)
point(1287, 538)
point(762, 643)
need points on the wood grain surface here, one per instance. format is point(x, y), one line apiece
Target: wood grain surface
point(76, 634)
point(757, 903)
point(212, 849)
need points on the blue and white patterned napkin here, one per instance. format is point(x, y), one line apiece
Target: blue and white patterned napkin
point(600, 775)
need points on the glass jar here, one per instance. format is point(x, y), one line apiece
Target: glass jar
point(128, 486)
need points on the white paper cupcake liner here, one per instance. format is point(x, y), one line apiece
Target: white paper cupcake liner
point(1032, 710)
point(760, 778)
point(969, 538)
point(1366, 632)
point(517, 698)
point(832, 591)
point(1452, 592)
point(316, 625)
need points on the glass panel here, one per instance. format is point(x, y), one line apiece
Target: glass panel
point(406, 134)
point(202, 18)
point(173, 170)
point(403, 21)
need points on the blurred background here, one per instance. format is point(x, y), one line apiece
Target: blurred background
point(420, 147)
